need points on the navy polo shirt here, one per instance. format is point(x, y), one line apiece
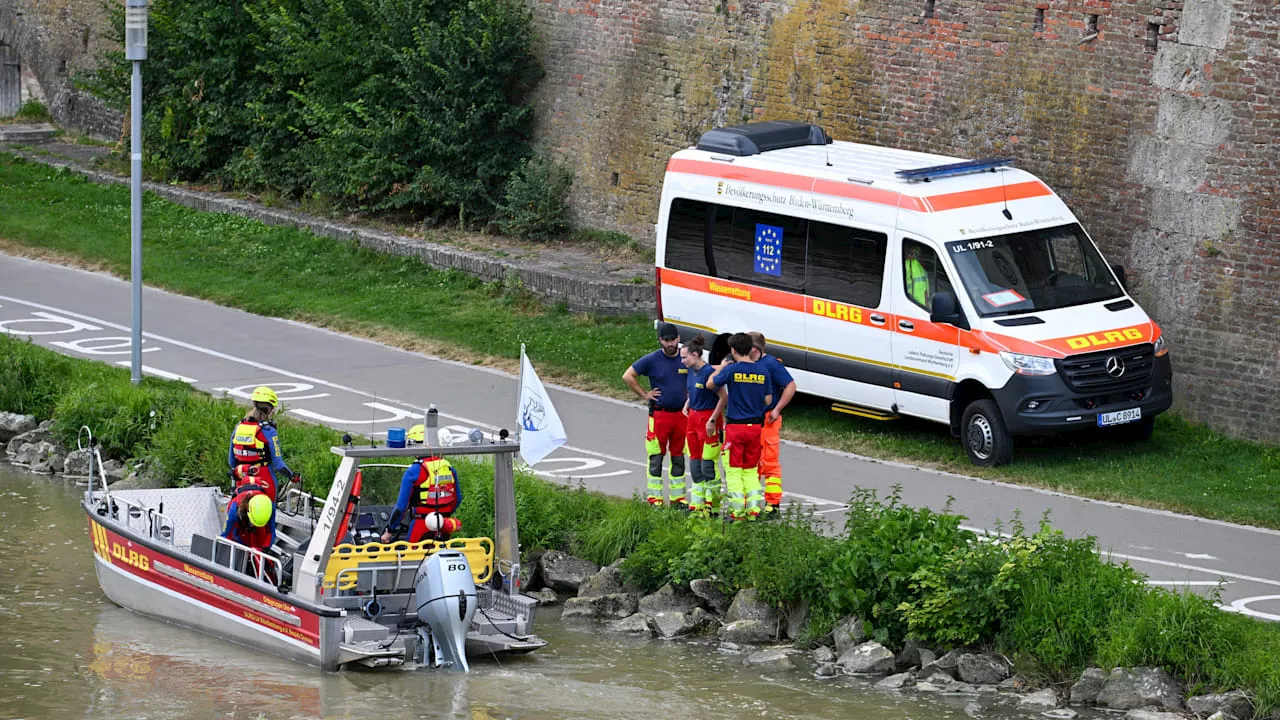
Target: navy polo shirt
point(748, 384)
point(778, 378)
point(666, 374)
point(700, 398)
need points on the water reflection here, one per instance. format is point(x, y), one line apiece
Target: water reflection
point(73, 654)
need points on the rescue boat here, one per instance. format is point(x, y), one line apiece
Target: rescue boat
point(330, 594)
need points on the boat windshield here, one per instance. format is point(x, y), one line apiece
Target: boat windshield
point(1035, 270)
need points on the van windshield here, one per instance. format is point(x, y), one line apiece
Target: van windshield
point(1036, 270)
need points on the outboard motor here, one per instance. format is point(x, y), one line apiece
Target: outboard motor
point(446, 599)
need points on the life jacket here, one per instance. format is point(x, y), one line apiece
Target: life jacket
point(246, 533)
point(249, 444)
point(437, 487)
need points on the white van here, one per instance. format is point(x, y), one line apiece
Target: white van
point(902, 283)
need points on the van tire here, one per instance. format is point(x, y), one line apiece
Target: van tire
point(986, 439)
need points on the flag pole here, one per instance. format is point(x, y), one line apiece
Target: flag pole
point(520, 393)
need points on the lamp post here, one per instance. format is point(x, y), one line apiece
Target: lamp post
point(135, 49)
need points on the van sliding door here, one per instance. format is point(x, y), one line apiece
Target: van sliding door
point(925, 354)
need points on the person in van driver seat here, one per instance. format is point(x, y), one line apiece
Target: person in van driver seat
point(917, 280)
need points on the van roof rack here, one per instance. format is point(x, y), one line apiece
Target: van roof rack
point(961, 168)
point(755, 138)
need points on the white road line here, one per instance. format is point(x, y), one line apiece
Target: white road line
point(1184, 566)
point(1198, 583)
point(159, 373)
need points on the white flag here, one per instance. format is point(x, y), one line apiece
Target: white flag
point(540, 428)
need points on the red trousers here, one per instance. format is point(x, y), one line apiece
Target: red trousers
point(696, 433)
point(744, 444)
point(666, 432)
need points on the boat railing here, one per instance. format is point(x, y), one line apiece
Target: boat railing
point(95, 457)
point(139, 518)
point(297, 501)
point(258, 569)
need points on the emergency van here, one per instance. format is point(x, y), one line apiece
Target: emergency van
point(903, 283)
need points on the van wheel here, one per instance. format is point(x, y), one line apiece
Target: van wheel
point(985, 437)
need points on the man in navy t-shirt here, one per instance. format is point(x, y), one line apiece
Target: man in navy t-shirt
point(666, 397)
point(783, 387)
point(745, 386)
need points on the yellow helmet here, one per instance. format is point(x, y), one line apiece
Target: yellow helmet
point(417, 433)
point(264, 394)
point(259, 510)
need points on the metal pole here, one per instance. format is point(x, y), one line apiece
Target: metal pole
point(135, 195)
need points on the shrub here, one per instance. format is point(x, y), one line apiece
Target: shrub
point(33, 110)
point(885, 544)
point(1059, 604)
point(537, 200)
point(33, 378)
point(376, 105)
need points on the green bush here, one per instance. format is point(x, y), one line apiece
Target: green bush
point(537, 202)
point(33, 378)
point(1058, 610)
point(373, 105)
point(1181, 632)
point(885, 544)
point(33, 110)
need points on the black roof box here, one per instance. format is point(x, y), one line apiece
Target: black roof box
point(755, 138)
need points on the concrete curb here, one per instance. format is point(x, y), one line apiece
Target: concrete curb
point(577, 293)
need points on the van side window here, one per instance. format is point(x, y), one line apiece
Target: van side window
point(693, 229)
point(922, 273)
point(846, 264)
point(765, 249)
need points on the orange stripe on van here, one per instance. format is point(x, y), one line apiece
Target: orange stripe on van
point(988, 196)
point(939, 332)
point(735, 290)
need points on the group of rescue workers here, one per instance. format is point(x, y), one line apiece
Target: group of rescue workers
point(730, 401)
point(429, 489)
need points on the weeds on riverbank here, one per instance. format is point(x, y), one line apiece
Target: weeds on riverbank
point(292, 274)
point(1050, 603)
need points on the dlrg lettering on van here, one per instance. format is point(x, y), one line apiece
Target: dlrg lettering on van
point(902, 283)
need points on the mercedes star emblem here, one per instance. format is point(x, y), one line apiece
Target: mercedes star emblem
point(1115, 366)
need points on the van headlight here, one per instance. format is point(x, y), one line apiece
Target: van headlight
point(1028, 364)
point(1161, 348)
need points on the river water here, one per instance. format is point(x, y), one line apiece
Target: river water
point(68, 652)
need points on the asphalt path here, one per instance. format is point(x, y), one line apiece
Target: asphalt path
point(364, 387)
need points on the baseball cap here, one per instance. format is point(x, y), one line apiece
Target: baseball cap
point(667, 331)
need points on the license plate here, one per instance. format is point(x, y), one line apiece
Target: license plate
point(1119, 417)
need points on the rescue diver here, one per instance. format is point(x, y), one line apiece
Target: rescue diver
point(251, 521)
point(431, 489)
point(254, 455)
point(666, 398)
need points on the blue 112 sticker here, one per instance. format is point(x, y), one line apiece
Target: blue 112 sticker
point(768, 250)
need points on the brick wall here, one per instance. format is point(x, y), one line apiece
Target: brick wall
point(1156, 121)
point(55, 39)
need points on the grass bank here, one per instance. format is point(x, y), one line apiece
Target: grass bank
point(1050, 603)
point(292, 274)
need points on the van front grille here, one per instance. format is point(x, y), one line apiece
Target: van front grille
point(1108, 370)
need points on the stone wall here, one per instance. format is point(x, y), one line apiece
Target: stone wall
point(56, 39)
point(1156, 121)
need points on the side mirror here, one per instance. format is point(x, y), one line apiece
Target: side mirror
point(1118, 269)
point(946, 309)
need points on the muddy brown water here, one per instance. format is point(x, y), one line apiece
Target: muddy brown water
point(68, 652)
